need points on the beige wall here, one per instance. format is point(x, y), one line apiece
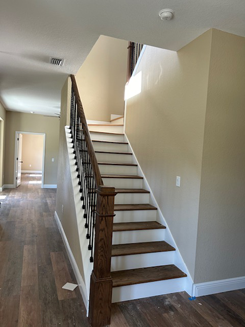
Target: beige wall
point(165, 125)
point(102, 77)
point(32, 152)
point(16, 121)
point(2, 140)
point(221, 229)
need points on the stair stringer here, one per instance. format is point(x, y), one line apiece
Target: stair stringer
point(186, 283)
point(84, 285)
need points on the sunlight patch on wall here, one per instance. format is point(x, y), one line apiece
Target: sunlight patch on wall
point(134, 86)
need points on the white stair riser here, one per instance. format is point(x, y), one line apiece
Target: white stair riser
point(123, 182)
point(109, 129)
point(142, 260)
point(138, 291)
point(117, 158)
point(121, 170)
point(107, 137)
point(110, 147)
point(131, 198)
point(138, 236)
point(134, 216)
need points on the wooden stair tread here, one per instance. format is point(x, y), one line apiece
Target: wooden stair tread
point(113, 152)
point(142, 225)
point(130, 207)
point(109, 142)
point(117, 164)
point(145, 275)
point(131, 190)
point(139, 248)
point(98, 132)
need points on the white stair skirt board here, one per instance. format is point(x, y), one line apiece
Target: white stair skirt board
point(142, 260)
point(75, 268)
point(111, 129)
point(138, 236)
point(178, 260)
point(49, 186)
point(138, 291)
point(80, 221)
point(219, 286)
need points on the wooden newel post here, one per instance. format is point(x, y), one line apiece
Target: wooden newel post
point(101, 282)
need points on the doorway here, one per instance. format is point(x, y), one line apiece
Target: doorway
point(29, 156)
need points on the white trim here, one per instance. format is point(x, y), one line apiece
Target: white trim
point(31, 171)
point(8, 186)
point(49, 186)
point(179, 262)
point(75, 268)
point(16, 154)
point(218, 286)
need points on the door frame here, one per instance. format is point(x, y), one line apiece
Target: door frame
point(16, 154)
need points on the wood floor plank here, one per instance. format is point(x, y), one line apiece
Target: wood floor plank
point(231, 316)
point(117, 317)
point(132, 315)
point(29, 270)
point(61, 275)
point(184, 308)
point(9, 311)
point(212, 316)
point(29, 313)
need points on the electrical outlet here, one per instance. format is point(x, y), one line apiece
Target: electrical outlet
point(178, 181)
point(52, 159)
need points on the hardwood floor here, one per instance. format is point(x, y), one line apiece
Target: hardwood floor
point(34, 266)
point(33, 262)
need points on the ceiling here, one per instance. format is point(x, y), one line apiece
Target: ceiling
point(33, 31)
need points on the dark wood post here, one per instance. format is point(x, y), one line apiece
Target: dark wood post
point(130, 59)
point(101, 282)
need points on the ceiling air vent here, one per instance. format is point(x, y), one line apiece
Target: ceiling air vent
point(57, 61)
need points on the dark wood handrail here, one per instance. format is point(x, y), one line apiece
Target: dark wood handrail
point(94, 162)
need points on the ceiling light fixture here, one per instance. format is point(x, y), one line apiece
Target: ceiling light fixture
point(166, 14)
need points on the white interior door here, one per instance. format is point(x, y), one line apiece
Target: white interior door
point(19, 160)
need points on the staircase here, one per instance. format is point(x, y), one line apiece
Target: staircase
point(143, 263)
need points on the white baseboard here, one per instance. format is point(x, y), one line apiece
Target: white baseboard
point(218, 286)
point(75, 268)
point(49, 186)
point(31, 171)
point(8, 186)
